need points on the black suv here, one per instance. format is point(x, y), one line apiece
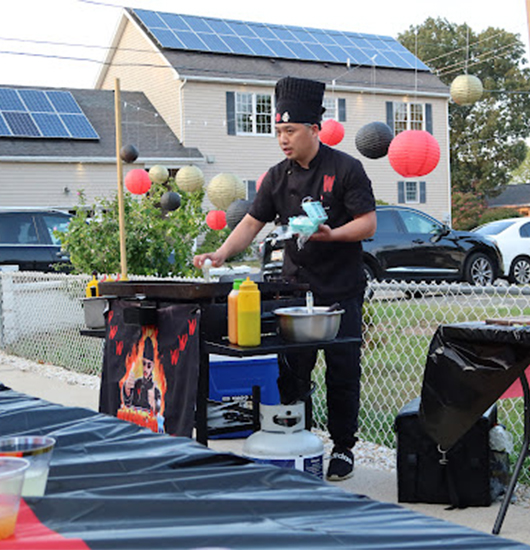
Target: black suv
point(27, 239)
point(413, 246)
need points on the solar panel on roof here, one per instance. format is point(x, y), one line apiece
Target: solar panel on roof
point(4, 130)
point(50, 125)
point(10, 100)
point(42, 114)
point(79, 126)
point(64, 102)
point(36, 100)
point(204, 34)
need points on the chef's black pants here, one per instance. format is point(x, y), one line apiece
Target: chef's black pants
point(343, 375)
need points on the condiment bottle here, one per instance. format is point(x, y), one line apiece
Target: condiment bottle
point(92, 288)
point(232, 311)
point(248, 314)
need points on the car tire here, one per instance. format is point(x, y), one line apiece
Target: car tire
point(520, 271)
point(479, 270)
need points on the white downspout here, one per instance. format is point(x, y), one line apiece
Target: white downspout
point(181, 108)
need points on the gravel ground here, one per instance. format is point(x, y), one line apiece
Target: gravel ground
point(50, 371)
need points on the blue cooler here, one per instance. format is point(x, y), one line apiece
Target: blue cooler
point(231, 381)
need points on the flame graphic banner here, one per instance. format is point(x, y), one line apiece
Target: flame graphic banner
point(150, 373)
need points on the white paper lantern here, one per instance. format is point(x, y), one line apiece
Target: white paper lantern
point(189, 178)
point(466, 89)
point(224, 189)
point(158, 174)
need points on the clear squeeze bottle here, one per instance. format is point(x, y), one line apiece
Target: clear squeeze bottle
point(248, 314)
point(232, 311)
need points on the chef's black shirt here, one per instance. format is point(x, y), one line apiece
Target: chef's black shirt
point(332, 269)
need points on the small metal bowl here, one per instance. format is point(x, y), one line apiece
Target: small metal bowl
point(297, 324)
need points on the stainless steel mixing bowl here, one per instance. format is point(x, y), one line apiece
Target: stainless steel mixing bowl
point(298, 324)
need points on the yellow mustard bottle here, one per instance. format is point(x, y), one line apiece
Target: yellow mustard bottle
point(92, 288)
point(248, 314)
point(232, 311)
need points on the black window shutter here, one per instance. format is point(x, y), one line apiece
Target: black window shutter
point(423, 192)
point(342, 109)
point(428, 117)
point(390, 115)
point(401, 192)
point(231, 113)
point(251, 189)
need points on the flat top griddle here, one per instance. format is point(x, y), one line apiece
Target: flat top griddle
point(194, 291)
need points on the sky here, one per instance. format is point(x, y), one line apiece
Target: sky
point(62, 43)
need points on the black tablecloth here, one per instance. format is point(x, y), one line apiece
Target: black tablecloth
point(115, 485)
point(469, 366)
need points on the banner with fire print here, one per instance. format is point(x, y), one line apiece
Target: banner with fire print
point(150, 373)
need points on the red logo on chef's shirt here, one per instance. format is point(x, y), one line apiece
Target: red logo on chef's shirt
point(328, 183)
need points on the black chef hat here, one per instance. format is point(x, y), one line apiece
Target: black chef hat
point(149, 352)
point(299, 100)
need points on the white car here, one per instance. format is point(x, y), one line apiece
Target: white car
point(512, 236)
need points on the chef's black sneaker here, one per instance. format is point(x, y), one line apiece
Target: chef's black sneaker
point(340, 464)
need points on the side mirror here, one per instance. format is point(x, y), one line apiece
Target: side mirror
point(440, 232)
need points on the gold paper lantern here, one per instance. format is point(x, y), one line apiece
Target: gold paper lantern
point(241, 189)
point(189, 178)
point(158, 174)
point(224, 189)
point(466, 89)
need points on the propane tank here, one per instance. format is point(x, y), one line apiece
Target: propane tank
point(283, 441)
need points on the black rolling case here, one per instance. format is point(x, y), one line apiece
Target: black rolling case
point(461, 477)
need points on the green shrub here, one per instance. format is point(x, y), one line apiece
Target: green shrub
point(158, 243)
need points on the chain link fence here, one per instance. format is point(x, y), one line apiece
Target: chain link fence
point(41, 316)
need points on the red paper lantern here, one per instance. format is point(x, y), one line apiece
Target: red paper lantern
point(414, 153)
point(332, 132)
point(216, 220)
point(260, 180)
point(138, 181)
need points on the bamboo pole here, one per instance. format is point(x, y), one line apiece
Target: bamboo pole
point(121, 214)
point(528, 16)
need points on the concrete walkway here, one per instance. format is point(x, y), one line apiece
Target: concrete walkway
point(377, 484)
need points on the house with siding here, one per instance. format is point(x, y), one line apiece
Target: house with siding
point(513, 196)
point(212, 81)
point(55, 143)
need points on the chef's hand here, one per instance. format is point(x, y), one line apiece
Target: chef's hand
point(216, 258)
point(324, 234)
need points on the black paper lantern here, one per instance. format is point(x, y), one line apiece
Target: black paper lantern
point(170, 201)
point(128, 153)
point(373, 140)
point(236, 212)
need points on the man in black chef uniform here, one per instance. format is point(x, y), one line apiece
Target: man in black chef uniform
point(142, 392)
point(331, 261)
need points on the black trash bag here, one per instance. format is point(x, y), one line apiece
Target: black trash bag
point(469, 366)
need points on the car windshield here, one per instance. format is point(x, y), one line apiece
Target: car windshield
point(493, 228)
point(56, 222)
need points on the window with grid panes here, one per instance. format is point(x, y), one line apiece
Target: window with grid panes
point(253, 113)
point(330, 104)
point(411, 192)
point(408, 116)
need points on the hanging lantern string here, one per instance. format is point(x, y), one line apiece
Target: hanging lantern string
point(334, 81)
point(482, 58)
point(456, 50)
